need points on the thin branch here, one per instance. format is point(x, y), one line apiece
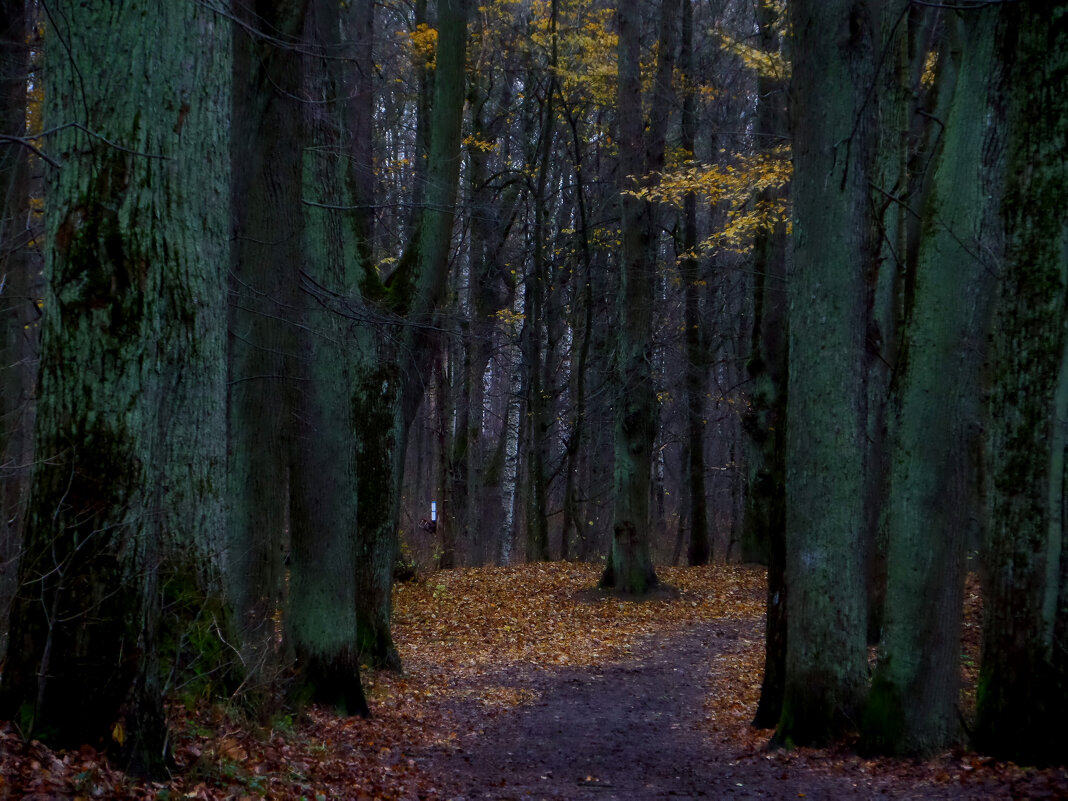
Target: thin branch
point(26, 143)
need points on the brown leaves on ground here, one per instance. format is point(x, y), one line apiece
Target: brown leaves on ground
point(460, 633)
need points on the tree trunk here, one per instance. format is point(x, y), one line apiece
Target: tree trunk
point(17, 311)
point(912, 708)
point(1024, 676)
point(765, 423)
point(267, 143)
point(127, 499)
point(630, 567)
point(538, 354)
point(826, 660)
point(395, 360)
point(573, 520)
point(695, 380)
point(321, 618)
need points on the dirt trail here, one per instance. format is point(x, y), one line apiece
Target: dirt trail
point(631, 731)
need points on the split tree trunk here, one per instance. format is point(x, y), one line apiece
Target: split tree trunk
point(912, 708)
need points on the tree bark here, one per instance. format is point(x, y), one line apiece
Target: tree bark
point(629, 566)
point(912, 708)
point(826, 661)
point(765, 422)
point(695, 377)
point(128, 499)
point(1023, 681)
point(268, 226)
point(395, 359)
point(17, 312)
point(321, 618)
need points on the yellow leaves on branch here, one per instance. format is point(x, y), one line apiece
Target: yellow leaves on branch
point(508, 317)
point(587, 45)
point(769, 64)
point(423, 42)
point(481, 145)
point(746, 188)
point(762, 62)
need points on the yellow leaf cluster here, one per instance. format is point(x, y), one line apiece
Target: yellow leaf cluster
point(509, 317)
point(587, 48)
point(736, 186)
point(423, 42)
point(482, 145)
point(930, 70)
point(770, 64)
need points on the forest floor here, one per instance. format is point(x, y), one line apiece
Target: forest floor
point(524, 683)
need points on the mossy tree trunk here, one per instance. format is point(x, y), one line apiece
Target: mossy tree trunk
point(889, 199)
point(826, 660)
point(912, 708)
point(1023, 683)
point(128, 499)
point(395, 356)
point(321, 620)
point(268, 138)
point(641, 140)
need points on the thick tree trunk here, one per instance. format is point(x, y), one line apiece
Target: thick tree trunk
point(321, 618)
point(826, 661)
point(912, 708)
point(128, 500)
point(379, 466)
point(1024, 676)
point(268, 137)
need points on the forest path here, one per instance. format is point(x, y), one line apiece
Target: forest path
point(632, 730)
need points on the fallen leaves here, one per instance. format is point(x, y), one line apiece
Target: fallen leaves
point(473, 639)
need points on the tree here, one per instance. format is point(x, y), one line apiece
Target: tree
point(641, 151)
point(1023, 684)
point(393, 358)
point(538, 340)
point(125, 506)
point(826, 663)
point(700, 550)
point(912, 708)
point(321, 620)
point(765, 422)
point(266, 186)
point(16, 304)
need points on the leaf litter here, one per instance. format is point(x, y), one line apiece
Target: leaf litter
point(478, 646)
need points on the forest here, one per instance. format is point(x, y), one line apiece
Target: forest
point(351, 351)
